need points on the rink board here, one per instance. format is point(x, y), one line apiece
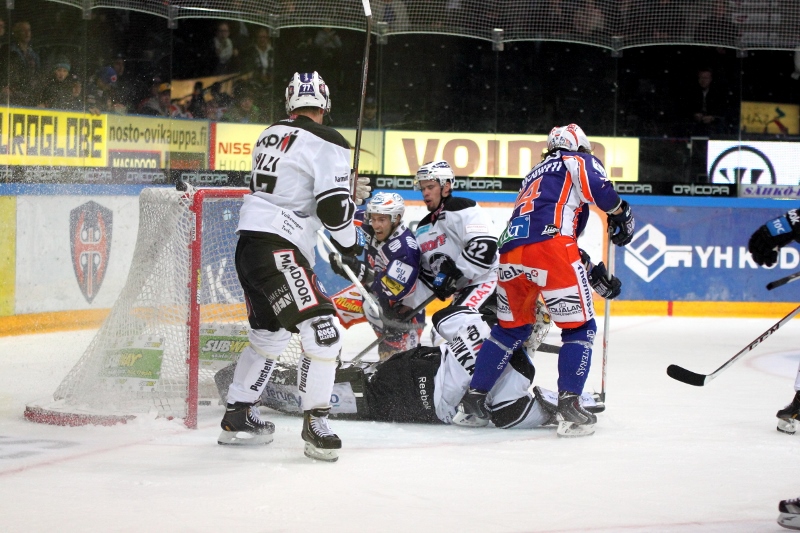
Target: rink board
point(687, 259)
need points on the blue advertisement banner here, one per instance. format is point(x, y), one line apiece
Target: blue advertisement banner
point(699, 253)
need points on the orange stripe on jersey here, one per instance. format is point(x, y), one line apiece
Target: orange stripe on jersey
point(587, 192)
point(562, 203)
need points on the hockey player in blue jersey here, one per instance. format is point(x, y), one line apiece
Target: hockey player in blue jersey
point(539, 254)
point(389, 272)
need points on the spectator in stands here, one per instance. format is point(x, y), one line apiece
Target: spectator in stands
point(62, 91)
point(159, 105)
point(392, 12)
point(259, 60)
point(99, 97)
point(370, 113)
point(591, 21)
point(244, 111)
point(23, 67)
point(197, 105)
point(707, 106)
point(126, 88)
point(225, 52)
point(2, 30)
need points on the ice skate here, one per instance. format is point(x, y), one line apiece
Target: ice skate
point(321, 442)
point(591, 402)
point(242, 425)
point(573, 419)
point(472, 411)
point(547, 400)
point(790, 514)
point(788, 416)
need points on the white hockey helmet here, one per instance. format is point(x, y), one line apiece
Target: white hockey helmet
point(439, 171)
point(387, 203)
point(307, 89)
point(570, 137)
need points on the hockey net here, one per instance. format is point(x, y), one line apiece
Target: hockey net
point(179, 318)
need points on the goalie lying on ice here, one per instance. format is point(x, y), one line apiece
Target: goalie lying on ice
point(425, 384)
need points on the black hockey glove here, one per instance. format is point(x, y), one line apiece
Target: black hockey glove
point(363, 273)
point(446, 281)
point(775, 234)
point(357, 248)
point(599, 278)
point(622, 225)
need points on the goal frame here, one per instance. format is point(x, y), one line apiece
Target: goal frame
point(64, 416)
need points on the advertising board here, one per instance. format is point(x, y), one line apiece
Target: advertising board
point(767, 117)
point(149, 143)
point(698, 253)
point(754, 162)
point(232, 147)
point(501, 155)
point(45, 137)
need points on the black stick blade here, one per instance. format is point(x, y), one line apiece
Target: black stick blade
point(686, 376)
point(773, 284)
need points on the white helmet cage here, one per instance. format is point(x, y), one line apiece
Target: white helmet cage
point(439, 171)
point(570, 137)
point(307, 89)
point(387, 203)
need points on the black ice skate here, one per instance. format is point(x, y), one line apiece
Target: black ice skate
point(472, 411)
point(789, 416)
point(790, 514)
point(573, 419)
point(242, 425)
point(321, 442)
point(546, 405)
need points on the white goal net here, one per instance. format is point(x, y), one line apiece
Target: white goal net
point(180, 317)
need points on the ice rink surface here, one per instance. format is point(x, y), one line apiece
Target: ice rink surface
point(666, 456)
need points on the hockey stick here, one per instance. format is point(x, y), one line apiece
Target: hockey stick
point(408, 316)
point(607, 311)
point(698, 380)
point(783, 281)
point(359, 125)
point(368, 299)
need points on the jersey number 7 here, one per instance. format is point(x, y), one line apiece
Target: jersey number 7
point(263, 182)
point(526, 198)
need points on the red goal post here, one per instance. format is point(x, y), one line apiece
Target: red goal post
point(179, 318)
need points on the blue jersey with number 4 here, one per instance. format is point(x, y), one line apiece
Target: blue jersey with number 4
point(553, 199)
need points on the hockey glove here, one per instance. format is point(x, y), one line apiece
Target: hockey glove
point(357, 248)
point(446, 281)
point(622, 225)
point(775, 234)
point(363, 189)
point(363, 273)
point(609, 287)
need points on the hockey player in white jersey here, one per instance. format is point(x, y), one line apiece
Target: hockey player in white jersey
point(425, 385)
point(300, 182)
point(459, 254)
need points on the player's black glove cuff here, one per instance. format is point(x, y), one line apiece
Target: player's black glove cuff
point(446, 281)
point(622, 225)
point(599, 278)
point(775, 234)
point(363, 273)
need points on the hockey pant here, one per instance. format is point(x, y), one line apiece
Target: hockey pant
point(474, 301)
point(553, 269)
point(283, 296)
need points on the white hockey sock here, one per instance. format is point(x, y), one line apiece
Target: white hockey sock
point(250, 377)
point(315, 382)
point(797, 380)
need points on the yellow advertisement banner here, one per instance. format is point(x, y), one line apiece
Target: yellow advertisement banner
point(233, 147)
point(502, 156)
point(8, 253)
point(38, 137)
point(763, 117)
point(148, 142)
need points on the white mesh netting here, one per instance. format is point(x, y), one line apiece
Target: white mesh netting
point(139, 359)
point(614, 24)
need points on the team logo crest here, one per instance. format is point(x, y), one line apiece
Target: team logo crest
point(90, 228)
